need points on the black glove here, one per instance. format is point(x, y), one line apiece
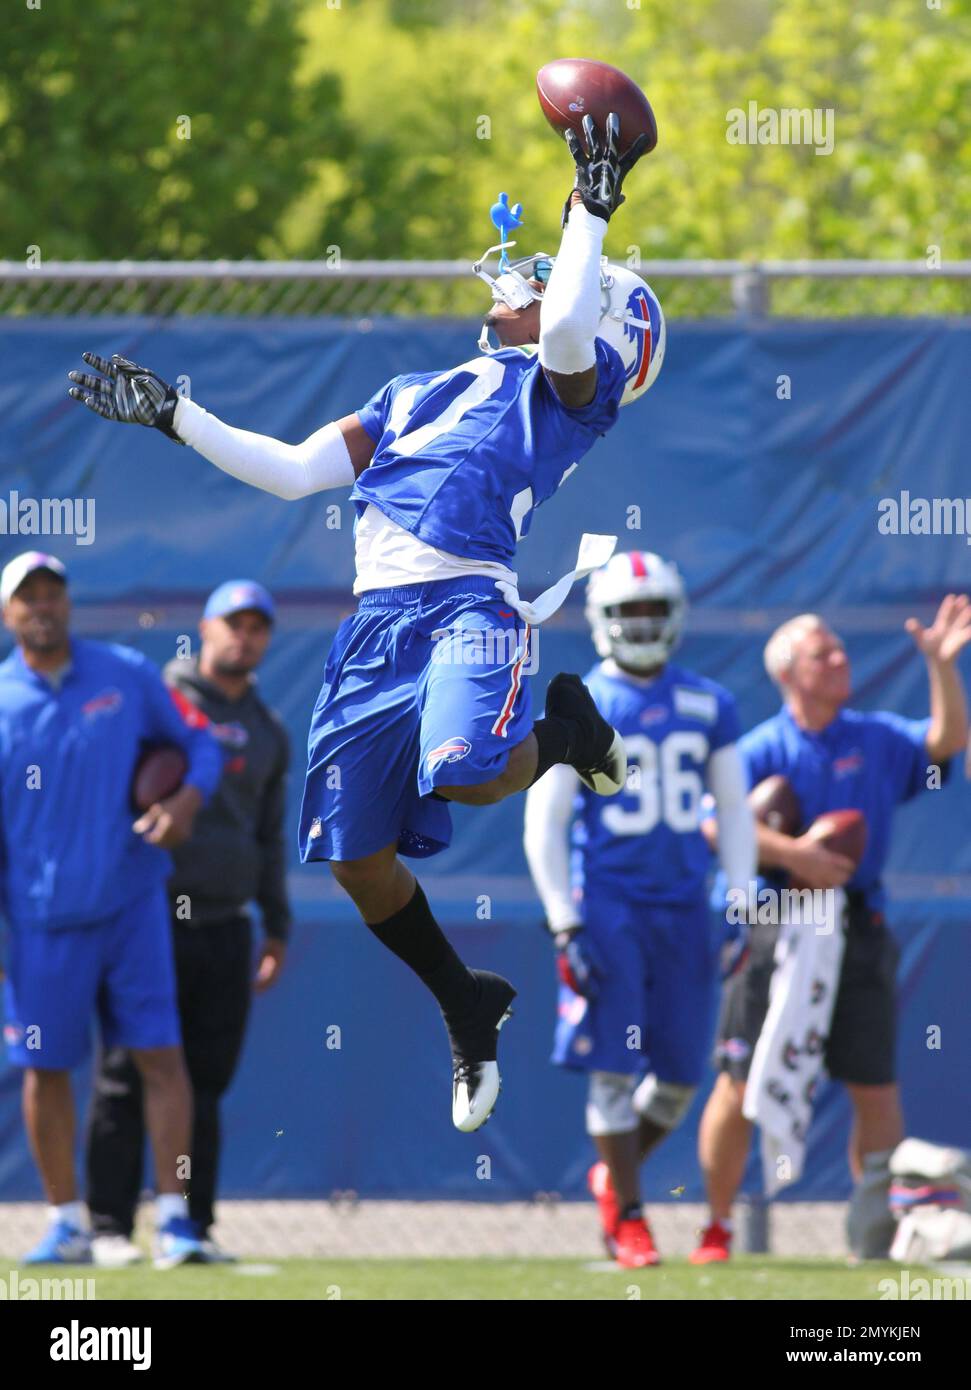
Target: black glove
point(601, 172)
point(127, 393)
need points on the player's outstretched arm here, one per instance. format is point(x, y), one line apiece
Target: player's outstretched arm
point(572, 306)
point(331, 457)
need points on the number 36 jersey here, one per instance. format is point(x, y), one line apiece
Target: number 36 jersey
point(645, 841)
point(463, 457)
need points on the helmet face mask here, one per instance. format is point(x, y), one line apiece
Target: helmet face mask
point(636, 606)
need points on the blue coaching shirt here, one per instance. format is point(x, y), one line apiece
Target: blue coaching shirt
point(464, 456)
point(644, 843)
point(865, 762)
point(69, 854)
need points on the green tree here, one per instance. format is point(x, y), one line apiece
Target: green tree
point(131, 130)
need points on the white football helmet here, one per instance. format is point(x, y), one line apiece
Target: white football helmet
point(631, 318)
point(635, 576)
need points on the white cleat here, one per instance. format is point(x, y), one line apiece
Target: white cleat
point(115, 1252)
point(475, 1072)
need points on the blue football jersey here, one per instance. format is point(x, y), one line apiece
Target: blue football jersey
point(645, 841)
point(861, 761)
point(463, 457)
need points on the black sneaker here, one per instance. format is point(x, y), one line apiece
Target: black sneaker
point(475, 1072)
point(596, 749)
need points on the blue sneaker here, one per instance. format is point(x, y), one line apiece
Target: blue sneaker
point(178, 1243)
point(61, 1244)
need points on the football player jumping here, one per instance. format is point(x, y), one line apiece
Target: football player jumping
point(446, 469)
point(637, 950)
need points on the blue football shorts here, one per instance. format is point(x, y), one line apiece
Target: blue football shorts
point(120, 971)
point(424, 687)
point(657, 1006)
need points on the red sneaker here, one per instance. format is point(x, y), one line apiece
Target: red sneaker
point(635, 1245)
point(602, 1191)
point(716, 1245)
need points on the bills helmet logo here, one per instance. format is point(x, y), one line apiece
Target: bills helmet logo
point(639, 305)
point(453, 750)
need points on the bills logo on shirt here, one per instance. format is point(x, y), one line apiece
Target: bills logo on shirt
point(848, 764)
point(230, 735)
point(654, 714)
point(451, 751)
point(107, 702)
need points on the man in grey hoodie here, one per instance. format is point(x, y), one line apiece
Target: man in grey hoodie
point(236, 855)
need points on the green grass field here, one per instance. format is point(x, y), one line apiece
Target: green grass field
point(747, 1277)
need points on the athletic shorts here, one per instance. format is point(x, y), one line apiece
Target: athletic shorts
point(424, 687)
point(862, 1037)
point(119, 970)
point(658, 999)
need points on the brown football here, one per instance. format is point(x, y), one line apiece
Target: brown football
point(159, 772)
point(571, 88)
point(842, 832)
point(776, 805)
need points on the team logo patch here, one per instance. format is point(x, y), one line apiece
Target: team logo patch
point(232, 735)
point(453, 750)
point(107, 702)
point(316, 829)
point(654, 714)
point(847, 765)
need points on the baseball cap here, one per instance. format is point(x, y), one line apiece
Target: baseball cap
point(20, 566)
point(236, 595)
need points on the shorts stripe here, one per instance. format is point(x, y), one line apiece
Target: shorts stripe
point(499, 727)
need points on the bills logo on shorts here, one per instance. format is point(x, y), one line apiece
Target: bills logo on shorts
point(451, 751)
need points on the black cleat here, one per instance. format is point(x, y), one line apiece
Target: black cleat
point(475, 1072)
point(596, 749)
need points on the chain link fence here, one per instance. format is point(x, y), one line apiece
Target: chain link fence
point(342, 1227)
point(447, 289)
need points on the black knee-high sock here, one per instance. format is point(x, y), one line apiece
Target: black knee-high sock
point(553, 741)
point(413, 935)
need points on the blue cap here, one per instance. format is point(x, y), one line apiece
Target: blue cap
point(237, 595)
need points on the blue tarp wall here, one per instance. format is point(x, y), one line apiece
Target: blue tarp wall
point(765, 491)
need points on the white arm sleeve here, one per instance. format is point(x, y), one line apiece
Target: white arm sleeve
point(570, 314)
point(286, 470)
point(736, 826)
point(546, 840)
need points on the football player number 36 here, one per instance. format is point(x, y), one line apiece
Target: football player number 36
point(667, 787)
